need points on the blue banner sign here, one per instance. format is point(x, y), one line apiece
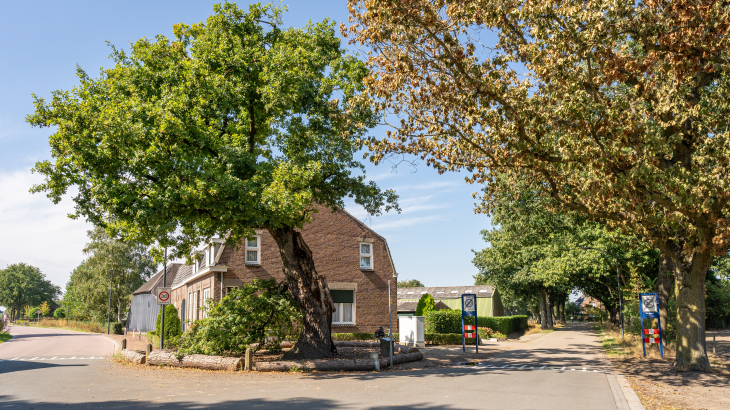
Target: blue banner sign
point(469, 310)
point(649, 309)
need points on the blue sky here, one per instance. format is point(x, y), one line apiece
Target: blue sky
point(42, 42)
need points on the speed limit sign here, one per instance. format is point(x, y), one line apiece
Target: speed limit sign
point(163, 296)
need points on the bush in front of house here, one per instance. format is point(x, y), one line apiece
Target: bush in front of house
point(425, 304)
point(173, 329)
point(261, 313)
point(443, 321)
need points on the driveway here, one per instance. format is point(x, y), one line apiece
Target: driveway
point(33, 342)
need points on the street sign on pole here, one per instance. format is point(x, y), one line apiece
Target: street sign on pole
point(649, 309)
point(469, 309)
point(163, 296)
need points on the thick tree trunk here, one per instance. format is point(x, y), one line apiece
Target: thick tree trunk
point(561, 310)
point(550, 321)
point(690, 295)
point(543, 310)
point(664, 285)
point(310, 291)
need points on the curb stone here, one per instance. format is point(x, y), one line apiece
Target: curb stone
point(624, 396)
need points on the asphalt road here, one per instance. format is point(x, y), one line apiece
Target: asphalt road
point(29, 342)
point(542, 374)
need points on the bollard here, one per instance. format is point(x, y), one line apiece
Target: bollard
point(376, 360)
point(124, 344)
point(248, 365)
point(147, 352)
point(714, 344)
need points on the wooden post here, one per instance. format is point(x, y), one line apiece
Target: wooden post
point(248, 365)
point(124, 344)
point(148, 350)
point(714, 345)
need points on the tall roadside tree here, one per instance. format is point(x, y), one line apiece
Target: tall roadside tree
point(617, 110)
point(23, 285)
point(235, 124)
point(126, 264)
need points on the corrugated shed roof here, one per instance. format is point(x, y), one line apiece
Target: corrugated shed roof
point(412, 305)
point(447, 292)
point(154, 281)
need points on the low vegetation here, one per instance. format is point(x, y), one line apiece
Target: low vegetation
point(78, 325)
point(630, 345)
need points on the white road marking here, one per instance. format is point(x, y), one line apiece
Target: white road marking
point(563, 368)
point(584, 369)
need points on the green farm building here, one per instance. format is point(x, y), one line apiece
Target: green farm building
point(488, 301)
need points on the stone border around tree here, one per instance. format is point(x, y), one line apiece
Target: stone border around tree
point(402, 354)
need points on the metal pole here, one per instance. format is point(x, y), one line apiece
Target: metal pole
point(109, 311)
point(162, 319)
point(390, 327)
point(620, 308)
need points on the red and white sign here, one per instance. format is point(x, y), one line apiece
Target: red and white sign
point(163, 296)
point(651, 335)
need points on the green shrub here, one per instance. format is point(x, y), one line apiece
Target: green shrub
point(425, 304)
point(59, 313)
point(172, 324)
point(262, 312)
point(348, 337)
point(443, 321)
point(117, 328)
point(446, 339)
point(503, 324)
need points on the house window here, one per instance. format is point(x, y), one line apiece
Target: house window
point(366, 256)
point(253, 250)
point(230, 289)
point(206, 296)
point(344, 301)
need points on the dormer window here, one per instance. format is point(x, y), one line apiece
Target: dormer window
point(253, 250)
point(211, 255)
point(366, 256)
point(196, 264)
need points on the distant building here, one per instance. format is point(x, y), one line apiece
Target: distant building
point(489, 303)
point(143, 313)
point(584, 302)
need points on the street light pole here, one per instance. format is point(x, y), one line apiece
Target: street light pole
point(109, 311)
point(618, 282)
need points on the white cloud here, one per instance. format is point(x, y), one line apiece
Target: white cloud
point(403, 222)
point(35, 231)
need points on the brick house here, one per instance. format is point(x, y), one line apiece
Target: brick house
point(355, 260)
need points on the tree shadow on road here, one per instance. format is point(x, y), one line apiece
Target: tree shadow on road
point(19, 366)
point(299, 403)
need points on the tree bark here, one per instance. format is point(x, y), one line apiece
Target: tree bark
point(561, 310)
point(690, 295)
point(664, 285)
point(543, 310)
point(550, 321)
point(310, 290)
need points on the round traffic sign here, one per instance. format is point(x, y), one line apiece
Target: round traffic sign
point(164, 296)
point(38, 311)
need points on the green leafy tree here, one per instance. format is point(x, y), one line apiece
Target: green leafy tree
point(45, 308)
point(258, 315)
point(425, 305)
point(23, 285)
point(131, 265)
point(235, 124)
point(411, 283)
point(617, 110)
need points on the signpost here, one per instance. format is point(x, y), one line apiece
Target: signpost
point(469, 309)
point(163, 296)
point(649, 309)
point(38, 312)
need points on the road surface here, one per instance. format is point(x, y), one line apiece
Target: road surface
point(559, 370)
point(29, 342)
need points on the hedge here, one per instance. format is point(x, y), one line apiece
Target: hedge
point(349, 337)
point(449, 321)
point(117, 328)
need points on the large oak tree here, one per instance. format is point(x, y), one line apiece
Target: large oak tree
point(235, 124)
point(615, 109)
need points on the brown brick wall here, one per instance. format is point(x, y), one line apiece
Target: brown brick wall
point(334, 241)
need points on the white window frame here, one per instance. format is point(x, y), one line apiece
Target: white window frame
point(336, 315)
point(211, 255)
point(366, 255)
point(206, 296)
point(257, 248)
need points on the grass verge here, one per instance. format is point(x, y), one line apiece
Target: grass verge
point(630, 345)
point(4, 337)
point(79, 326)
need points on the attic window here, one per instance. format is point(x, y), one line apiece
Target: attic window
point(211, 255)
point(409, 293)
point(454, 291)
point(366, 256)
point(483, 290)
point(423, 293)
point(253, 250)
point(439, 292)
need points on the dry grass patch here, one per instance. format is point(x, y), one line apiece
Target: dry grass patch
point(89, 327)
